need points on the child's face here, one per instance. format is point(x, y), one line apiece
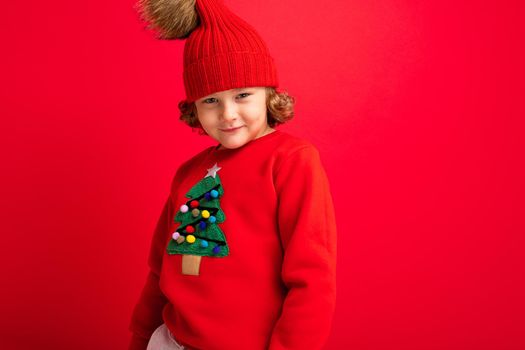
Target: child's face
point(243, 110)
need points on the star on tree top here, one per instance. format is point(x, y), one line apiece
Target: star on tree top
point(213, 171)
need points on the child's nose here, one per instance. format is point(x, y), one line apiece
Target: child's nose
point(229, 111)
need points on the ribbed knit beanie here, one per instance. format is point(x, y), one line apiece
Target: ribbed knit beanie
point(222, 51)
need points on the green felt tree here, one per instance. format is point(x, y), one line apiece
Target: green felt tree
point(198, 234)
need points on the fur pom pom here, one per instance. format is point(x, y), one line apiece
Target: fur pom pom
point(172, 19)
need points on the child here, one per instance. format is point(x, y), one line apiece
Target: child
point(244, 253)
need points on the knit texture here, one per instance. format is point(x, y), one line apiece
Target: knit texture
point(224, 52)
point(276, 289)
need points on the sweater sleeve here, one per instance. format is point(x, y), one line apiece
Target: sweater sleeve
point(147, 314)
point(307, 230)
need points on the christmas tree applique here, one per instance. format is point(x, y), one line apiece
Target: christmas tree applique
point(198, 234)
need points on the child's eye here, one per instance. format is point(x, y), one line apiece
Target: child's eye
point(208, 99)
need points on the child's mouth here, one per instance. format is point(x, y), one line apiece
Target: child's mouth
point(232, 129)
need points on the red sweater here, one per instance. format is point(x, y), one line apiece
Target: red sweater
point(276, 288)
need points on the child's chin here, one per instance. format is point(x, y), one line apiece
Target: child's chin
point(232, 144)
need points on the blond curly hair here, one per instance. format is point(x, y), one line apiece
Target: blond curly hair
point(279, 110)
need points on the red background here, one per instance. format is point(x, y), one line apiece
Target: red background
point(416, 106)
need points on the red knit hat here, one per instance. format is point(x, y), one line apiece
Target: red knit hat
point(224, 52)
